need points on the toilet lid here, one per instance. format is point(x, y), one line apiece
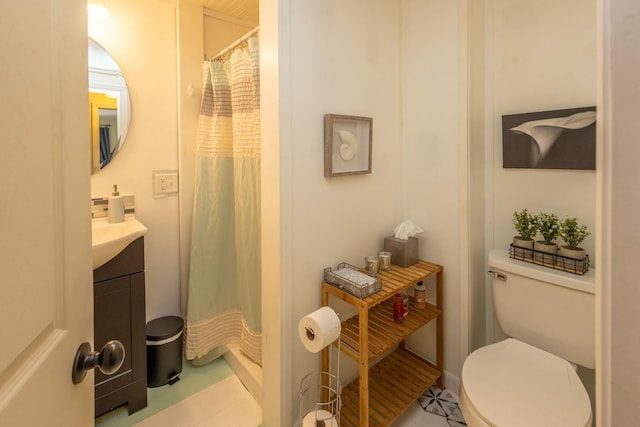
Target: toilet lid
point(512, 383)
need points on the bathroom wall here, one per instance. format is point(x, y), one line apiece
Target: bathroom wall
point(540, 55)
point(343, 60)
point(433, 92)
point(141, 36)
point(400, 64)
point(407, 75)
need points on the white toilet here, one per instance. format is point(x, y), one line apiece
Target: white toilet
point(527, 380)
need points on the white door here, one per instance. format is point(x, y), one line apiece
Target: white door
point(46, 308)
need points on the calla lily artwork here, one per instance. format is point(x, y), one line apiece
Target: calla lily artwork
point(561, 139)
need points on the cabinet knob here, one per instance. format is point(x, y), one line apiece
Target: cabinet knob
point(108, 360)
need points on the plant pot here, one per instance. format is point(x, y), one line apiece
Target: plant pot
point(522, 248)
point(545, 252)
point(571, 259)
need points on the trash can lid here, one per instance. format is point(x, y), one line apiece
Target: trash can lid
point(164, 327)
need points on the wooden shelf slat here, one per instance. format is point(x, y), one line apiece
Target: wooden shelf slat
point(383, 332)
point(395, 383)
point(394, 280)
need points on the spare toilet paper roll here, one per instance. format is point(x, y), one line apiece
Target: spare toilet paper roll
point(310, 420)
point(319, 329)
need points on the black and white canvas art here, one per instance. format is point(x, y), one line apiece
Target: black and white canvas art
point(559, 139)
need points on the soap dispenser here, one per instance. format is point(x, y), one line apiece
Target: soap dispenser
point(115, 207)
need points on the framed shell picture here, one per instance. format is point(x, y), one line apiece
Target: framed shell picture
point(347, 145)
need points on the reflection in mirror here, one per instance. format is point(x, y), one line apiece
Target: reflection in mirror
point(108, 105)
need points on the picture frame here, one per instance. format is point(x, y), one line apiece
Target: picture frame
point(348, 143)
point(557, 139)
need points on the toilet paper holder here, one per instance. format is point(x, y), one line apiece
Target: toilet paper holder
point(311, 334)
point(320, 394)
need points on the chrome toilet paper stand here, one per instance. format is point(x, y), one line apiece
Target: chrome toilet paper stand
point(320, 393)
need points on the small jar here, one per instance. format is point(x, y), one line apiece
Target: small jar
point(385, 260)
point(420, 296)
point(398, 308)
point(372, 265)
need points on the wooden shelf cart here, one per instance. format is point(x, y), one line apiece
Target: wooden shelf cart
point(388, 383)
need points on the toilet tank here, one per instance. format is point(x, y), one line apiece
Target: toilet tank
point(547, 308)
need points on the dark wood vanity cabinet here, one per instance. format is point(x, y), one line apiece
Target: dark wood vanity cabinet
point(119, 313)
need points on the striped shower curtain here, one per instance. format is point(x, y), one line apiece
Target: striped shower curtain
point(224, 293)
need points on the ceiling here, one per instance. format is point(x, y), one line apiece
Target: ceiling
point(241, 10)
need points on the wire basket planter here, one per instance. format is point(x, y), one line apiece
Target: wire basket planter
point(557, 262)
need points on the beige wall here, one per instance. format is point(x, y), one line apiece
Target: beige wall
point(464, 66)
point(343, 60)
point(538, 56)
point(332, 57)
point(541, 55)
point(433, 90)
point(141, 36)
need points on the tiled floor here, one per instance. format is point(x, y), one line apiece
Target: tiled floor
point(191, 403)
point(415, 416)
point(228, 403)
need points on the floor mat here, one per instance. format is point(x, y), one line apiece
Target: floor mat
point(443, 403)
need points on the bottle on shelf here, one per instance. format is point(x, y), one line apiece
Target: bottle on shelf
point(420, 295)
point(398, 308)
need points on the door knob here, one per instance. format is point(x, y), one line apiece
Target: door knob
point(108, 360)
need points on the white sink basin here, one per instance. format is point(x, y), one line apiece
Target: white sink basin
point(109, 239)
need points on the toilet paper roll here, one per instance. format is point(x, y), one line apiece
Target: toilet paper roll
point(312, 417)
point(319, 329)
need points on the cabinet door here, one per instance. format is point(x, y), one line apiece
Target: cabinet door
point(138, 330)
point(112, 319)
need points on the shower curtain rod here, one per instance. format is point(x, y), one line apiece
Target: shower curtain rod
point(235, 44)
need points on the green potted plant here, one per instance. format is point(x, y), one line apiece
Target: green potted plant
point(573, 233)
point(526, 227)
point(549, 227)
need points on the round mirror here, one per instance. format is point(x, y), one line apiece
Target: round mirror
point(109, 106)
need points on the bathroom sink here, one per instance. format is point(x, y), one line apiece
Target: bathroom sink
point(109, 239)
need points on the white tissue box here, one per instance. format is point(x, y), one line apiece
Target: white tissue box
point(404, 253)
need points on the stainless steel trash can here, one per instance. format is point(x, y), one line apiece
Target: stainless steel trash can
point(164, 351)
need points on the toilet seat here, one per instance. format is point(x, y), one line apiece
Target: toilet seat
point(512, 383)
